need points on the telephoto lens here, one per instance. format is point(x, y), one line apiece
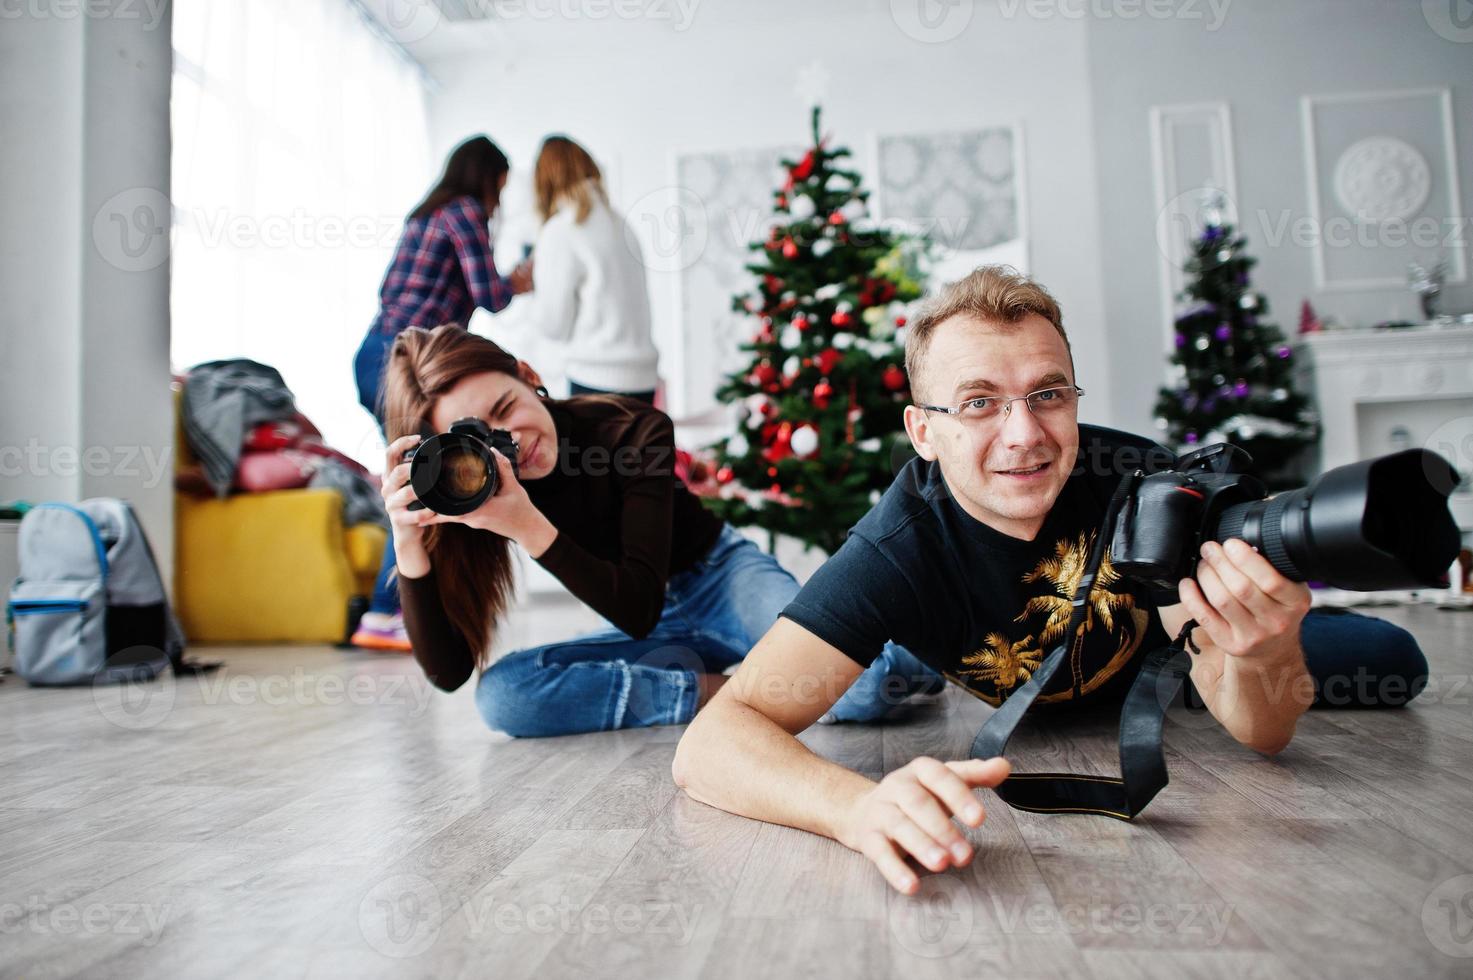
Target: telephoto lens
point(455, 472)
point(1376, 524)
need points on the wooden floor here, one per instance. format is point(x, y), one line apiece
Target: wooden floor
point(313, 812)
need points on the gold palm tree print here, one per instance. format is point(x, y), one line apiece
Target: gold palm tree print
point(1003, 664)
point(1063, 572)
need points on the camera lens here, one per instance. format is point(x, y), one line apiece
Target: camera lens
point(453, 473)
point(1376, 524)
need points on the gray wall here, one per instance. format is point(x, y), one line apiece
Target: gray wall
point(85, 409)
point(1266, 55)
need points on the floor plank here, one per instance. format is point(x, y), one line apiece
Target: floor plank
point(313, 812)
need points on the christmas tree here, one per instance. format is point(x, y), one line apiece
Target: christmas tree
point(1232, 369)
point(819, 404)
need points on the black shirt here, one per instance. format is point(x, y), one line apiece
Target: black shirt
point(979, 606)
point(625, 523)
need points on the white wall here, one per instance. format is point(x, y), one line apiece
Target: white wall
point(85, 408)
point(1266, 55)
point(636, 91)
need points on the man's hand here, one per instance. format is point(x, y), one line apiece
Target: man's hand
point(1244, 604)
point(1251, 671)
point(910, 812)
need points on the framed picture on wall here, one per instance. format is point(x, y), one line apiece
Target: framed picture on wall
point(1382, 174)
point(963, 189)
point(726, 198)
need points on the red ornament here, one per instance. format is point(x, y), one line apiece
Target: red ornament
point(776, 489)
point(781, 445)
point(803, 169)
point(772, 282)
point(899, 321)
point(765, 374)
point(893, 378)
point(782, 200)
point(725, 475)
point(828, 360)
point(841, 318)
point(772, 471)
point(801, 322)
point(790, 249)
point(836, 219)
point(823, 392)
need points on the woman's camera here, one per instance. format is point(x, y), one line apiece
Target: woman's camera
point(455, 472)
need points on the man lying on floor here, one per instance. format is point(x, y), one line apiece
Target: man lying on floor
point(966, 568)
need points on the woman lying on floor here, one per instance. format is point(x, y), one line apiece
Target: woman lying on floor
point(596, 502)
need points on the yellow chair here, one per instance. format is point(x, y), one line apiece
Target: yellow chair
point(273, 567)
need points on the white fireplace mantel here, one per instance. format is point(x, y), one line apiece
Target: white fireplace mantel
point(1379, 391)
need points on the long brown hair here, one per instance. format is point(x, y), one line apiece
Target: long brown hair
point(566, 172)
point(474, 168)
point(473, 568)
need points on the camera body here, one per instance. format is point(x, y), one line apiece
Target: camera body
point(455, 472)
point(1159, 536)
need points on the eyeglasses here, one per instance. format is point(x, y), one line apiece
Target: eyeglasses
point(1043, 403)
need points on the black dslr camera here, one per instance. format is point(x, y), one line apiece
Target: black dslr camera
point(1376, 524)
point(455, 472)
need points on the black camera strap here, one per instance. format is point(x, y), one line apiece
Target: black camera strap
point(1142, 764)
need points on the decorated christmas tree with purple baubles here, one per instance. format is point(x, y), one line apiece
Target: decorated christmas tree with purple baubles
point(1232, 369)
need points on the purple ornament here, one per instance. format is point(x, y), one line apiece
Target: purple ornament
point(1191, 438)
point(1181, 340)
point(1285, 353)
point(1241, 389)
point(1226, 391)
point(1224, 331)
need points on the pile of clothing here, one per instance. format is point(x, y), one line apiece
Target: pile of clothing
point(242, 424)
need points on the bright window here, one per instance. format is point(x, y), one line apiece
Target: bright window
point(300, 144)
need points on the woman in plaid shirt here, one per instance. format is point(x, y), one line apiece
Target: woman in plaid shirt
point(442, 270)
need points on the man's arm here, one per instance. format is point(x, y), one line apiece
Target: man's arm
point(741, 754)
point(1251, 671)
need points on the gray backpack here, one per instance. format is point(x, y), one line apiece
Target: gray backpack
point(89, 605)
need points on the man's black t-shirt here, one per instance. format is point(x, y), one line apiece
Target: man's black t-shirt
point(979, 606)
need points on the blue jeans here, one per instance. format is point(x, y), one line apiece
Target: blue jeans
point(368, 371)
point(1356, 661)
point(714, 613)
point(574, 388)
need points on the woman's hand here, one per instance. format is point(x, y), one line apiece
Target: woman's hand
point(910, 814)
point(521, 278)
point(509, 513)
point(407, 525)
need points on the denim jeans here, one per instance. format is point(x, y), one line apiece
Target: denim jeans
point(1356, 661)
point(368, 370)
point(714, 613)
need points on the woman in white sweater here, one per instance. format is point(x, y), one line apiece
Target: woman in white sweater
point(590, 277)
